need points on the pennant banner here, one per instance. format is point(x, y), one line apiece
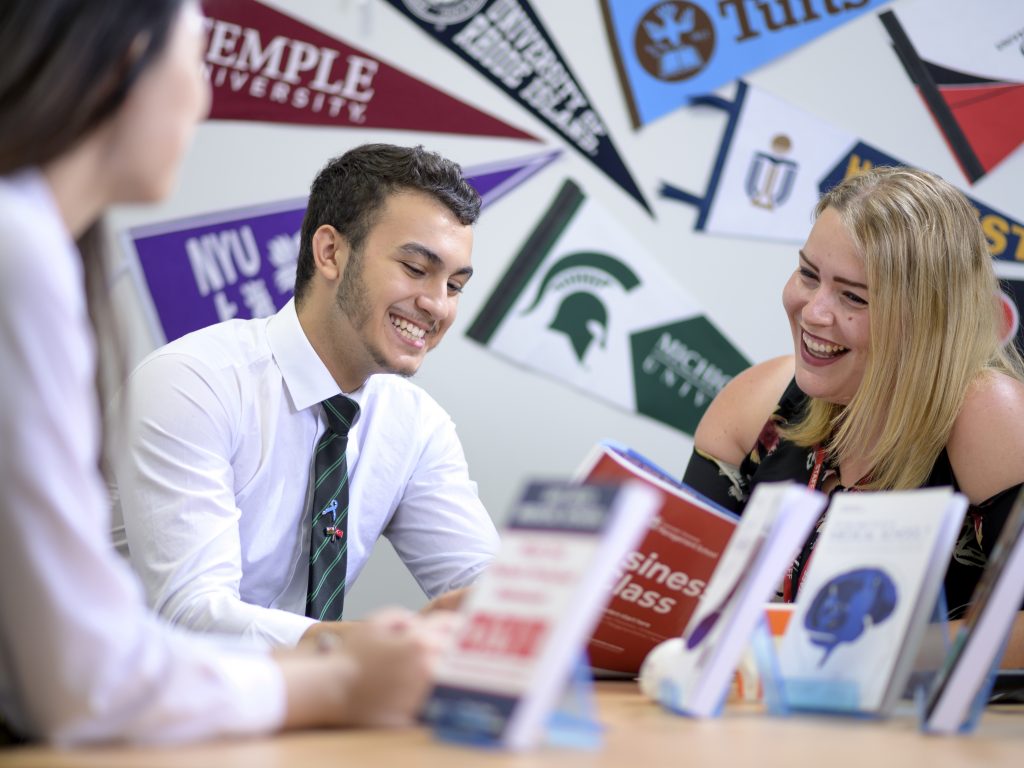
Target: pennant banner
point(585, 304)
point(668, 51)
point(241, 263)
point(967, 62)
point(1011, 279)
point(266, 66)
point(506, 42)
point(776, 160)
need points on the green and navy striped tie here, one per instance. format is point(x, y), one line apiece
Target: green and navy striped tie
point(328, 549)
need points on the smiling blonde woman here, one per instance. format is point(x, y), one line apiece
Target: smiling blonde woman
point(898, 379)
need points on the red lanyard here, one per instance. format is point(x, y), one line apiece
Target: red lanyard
point(787, 582)
point(819, 461)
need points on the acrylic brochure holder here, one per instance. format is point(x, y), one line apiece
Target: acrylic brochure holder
point(572, 723)
point(978, 705)
point(670, 693)
point(763, 647)
point(786, 695)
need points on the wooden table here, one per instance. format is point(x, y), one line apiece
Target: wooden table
point(638, 734)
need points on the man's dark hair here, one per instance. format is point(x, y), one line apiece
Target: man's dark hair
point(351, 189)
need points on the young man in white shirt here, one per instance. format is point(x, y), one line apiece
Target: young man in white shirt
point(222, 424)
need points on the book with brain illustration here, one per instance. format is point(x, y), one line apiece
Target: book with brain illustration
point(871, 587)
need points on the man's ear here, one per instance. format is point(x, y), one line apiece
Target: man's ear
point(330, 252)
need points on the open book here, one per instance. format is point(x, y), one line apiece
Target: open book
point(660, 581)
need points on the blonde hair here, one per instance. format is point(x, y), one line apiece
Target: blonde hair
point(934, 324)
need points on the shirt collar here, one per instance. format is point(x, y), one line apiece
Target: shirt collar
point(305, 376)
point(35, 184)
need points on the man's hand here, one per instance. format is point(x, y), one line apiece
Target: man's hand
point(338, 629)
point(449, 601)
point(374, 673)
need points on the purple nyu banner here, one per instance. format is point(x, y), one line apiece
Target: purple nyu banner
point(206, 269)
point(241, 263)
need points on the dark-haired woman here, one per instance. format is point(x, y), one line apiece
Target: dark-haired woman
point(98, 99)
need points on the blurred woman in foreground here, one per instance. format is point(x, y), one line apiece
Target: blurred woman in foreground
point(98, 100)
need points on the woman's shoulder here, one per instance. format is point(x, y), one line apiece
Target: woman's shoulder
point(986, 445)
point(734, 419)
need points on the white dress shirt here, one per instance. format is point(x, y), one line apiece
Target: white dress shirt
point(213, 485)
point(81, 657)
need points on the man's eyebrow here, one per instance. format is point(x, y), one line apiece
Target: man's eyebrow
point(843, 280)
point(419, 249)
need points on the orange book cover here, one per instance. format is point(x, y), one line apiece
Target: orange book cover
point(660, 583)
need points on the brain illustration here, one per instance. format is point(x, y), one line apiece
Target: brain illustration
point(847, 606)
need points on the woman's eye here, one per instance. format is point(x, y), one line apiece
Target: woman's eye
point(807, 274)
point(454, 288)
point(412, 269)
point(855, 299)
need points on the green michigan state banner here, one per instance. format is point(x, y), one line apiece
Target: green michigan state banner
point(967, 61)
point(583, 303)
point(670, 50)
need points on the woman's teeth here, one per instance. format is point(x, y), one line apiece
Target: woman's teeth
point(822, 349)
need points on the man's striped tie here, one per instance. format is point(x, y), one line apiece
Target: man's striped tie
point(328, 550)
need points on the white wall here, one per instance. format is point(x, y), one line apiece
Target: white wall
point(514, 423)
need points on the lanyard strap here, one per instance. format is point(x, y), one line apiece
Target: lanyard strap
point(796, 573)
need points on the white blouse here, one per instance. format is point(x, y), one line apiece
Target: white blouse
point(81, 657)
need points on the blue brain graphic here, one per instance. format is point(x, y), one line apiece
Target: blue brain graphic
point(847, 606)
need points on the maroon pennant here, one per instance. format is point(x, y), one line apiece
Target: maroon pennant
point(266, 66)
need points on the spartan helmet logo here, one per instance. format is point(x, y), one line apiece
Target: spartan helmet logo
point(583, 318)
point(581, 315)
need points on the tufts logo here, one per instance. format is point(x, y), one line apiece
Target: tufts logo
point(442, 13)
point(581, 316)
point(674, 40)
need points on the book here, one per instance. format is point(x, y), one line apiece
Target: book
point(695, 679)
point(661, 580)
point(870, 590)
point(528, 618)
point(961, 685)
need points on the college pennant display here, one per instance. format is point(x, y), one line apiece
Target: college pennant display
point(584, 303)
point(967, 63)
point(776, 160)
point(506, 42)
point(241, 263)
point(670, 50)
point(264, 65)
